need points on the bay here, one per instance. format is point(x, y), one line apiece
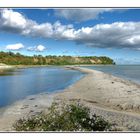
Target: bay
point(20, 83)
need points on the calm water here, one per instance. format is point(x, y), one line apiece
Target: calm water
point(15, 85)
point(129, 72)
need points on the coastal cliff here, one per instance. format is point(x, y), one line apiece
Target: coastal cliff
point(10, 58)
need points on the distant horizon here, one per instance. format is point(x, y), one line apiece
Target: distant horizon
point(114, 33)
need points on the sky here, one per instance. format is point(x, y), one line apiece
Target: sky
point(77, 32)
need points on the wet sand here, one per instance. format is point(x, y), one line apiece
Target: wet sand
point(113, 98)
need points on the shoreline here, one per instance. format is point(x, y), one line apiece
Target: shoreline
point(113, 98)
point(6, 67)
point(100, 81)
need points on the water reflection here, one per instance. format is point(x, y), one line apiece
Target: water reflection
point(17, 84)
point(8, 72)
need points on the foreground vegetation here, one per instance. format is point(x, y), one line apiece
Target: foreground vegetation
point(72, 117)
point(11, 58)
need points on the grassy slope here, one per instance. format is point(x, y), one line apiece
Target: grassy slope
point(18, 59)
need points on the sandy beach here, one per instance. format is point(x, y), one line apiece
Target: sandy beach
point(113, 98)
point(5, 67)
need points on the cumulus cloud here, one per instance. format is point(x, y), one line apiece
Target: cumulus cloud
point(39, 48)
point(14, 21)
point(80, 14)
point(117, 34)
point(13, 47)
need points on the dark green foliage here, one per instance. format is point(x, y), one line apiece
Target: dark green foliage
point(73, 117)
point(10, 58)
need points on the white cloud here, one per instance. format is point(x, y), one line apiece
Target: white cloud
point(117, 34)
point(13, 47)
point(11, 18)
point(14, 22)
point(39, 48)
point(45, 30)
point(80, 14)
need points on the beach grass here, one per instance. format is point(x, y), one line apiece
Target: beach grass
point(67, 117)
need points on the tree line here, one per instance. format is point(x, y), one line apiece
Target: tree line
point(11, 58)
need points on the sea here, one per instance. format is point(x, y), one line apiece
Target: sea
point(128, 72)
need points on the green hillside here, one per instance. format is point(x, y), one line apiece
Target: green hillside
point(11, 58)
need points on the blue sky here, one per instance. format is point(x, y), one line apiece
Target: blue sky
point(77, 32)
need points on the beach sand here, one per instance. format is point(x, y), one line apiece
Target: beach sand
point(5, 67)
point(113, 98)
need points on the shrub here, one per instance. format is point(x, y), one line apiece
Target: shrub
point(72, 117)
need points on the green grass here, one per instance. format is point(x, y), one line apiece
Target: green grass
point(72, 117)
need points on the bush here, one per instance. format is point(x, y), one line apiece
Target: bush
point(73, 117)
